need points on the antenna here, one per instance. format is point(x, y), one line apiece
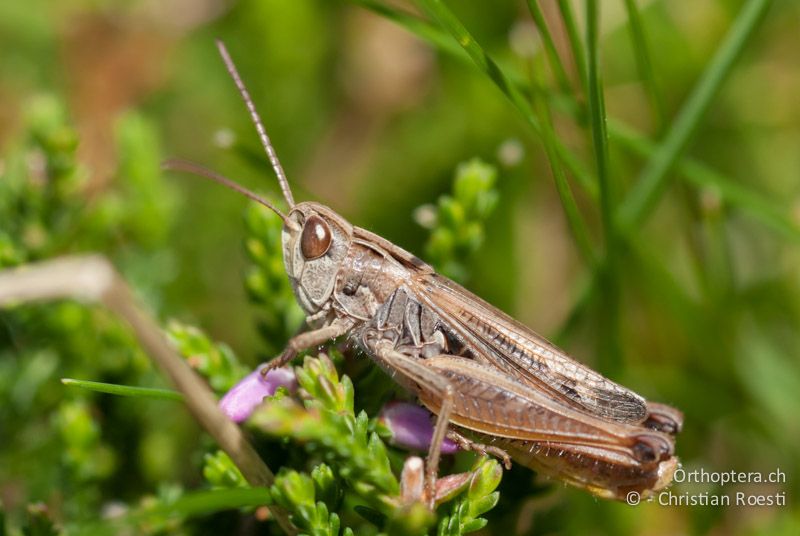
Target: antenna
point(262, 134)
point(195, 169)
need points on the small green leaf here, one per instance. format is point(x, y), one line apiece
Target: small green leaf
point(220, 471)
point(326, 424)
point(124, 390)
point(326, 487)
point(479, 499)
point(458, 226)
point(486, 479)
point(473, 525)
point(216, 362)
point(484, 504)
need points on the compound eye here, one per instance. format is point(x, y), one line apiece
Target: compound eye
point(316, 238)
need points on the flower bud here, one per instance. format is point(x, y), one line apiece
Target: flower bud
point(245, 396)
point(412, 427)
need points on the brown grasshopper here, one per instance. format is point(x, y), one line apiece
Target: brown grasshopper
point(488, 378)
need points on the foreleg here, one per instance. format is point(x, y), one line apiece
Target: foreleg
point(304, 341)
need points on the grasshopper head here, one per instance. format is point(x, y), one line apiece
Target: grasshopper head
point(315, 242)
point(315, 238)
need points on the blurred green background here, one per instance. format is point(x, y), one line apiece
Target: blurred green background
point(700, 307)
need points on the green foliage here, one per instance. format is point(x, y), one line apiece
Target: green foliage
point(216, 362)
point(327, 424)
point(45, 211)
point(457, 228)
point(220, 471)
point(699, 199)
point(83, 451)
point(266, 282)
point(480, 497)
point(356, 462)
point(40, 522)
point(296, 492)
point(40, 197)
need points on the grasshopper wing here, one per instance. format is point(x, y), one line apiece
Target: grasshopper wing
point(489, 402)
point(496, 339)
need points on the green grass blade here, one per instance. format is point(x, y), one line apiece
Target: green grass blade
point(549, 46)
point(653, 180)
point(421, 28)
point(565, 7)
point(189, 505)
point(743, 198)
point(597, 117)
point(447, 19)
point(574, 218)
point(610, 346)
point(439, 12)
point(124, 390)
point(645, 66)
point(210, 501)
point(769, 212)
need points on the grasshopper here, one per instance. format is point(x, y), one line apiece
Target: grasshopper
point(494, 385)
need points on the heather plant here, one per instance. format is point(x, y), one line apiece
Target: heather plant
point(355, 480)
point(641, 209)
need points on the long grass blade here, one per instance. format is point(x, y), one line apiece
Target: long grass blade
point(767, 211)
point(597, 116)
point(124, 390)
point(446, 19)
point(576, 224)
point(610, 346)
point(641, 51)
point(419, 27)
point(749, 201)
point(550, 50)
point(653, 179)
point(575, 43)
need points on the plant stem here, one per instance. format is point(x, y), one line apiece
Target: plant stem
point(124, 390)
point(92, 278)
point(645, 65)
point(439, 12)
point(652, 182)
point(609, 336)
point(574, 218)
point(574, 41)
point(549, 46)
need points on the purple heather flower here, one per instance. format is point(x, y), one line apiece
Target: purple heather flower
point(412, 427)
point(245, 396)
